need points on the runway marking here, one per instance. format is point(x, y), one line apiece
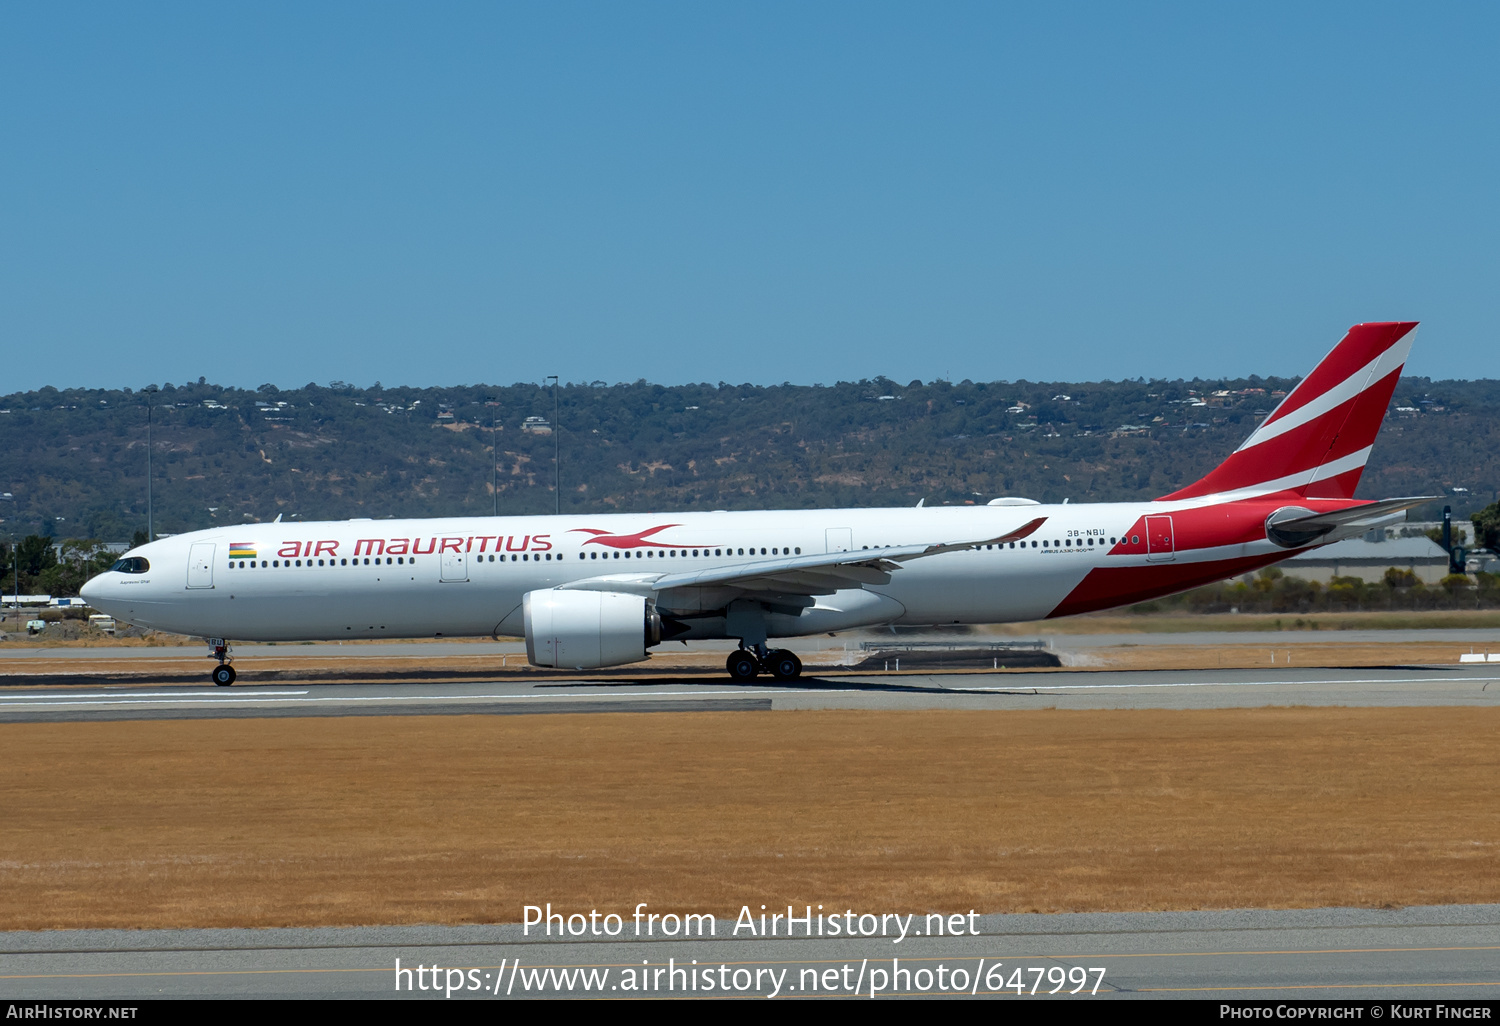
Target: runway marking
point(1311, 986)
point(1232, 684)
point(143, 694)
point(192, 972)
point(170, 700)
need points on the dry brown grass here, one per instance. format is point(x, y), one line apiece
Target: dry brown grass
point(467, 818)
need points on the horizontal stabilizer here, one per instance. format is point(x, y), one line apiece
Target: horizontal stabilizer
point(1294, 528)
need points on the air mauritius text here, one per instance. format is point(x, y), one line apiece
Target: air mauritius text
point(810, 922)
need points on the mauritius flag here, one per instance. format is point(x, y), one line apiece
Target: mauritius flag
point(241, 550)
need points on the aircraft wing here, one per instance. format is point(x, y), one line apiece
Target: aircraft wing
point(818, 574)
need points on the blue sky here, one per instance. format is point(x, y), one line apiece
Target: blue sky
point(450, 193)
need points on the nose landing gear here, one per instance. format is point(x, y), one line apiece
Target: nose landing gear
point(223, 674)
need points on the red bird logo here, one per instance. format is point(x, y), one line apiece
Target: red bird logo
point(632, 541)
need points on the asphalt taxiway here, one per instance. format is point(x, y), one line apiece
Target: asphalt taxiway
point(1434, 953)
point(1471, 685)
point(845, 648)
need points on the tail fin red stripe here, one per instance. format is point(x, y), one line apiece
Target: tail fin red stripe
point(1332, 417)
point(1363, 343)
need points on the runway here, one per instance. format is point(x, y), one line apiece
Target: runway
point(1060, 689)
point(1433, 953)
point(18, 656)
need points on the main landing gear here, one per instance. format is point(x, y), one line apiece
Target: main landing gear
point(223, 674)
point(745, 664)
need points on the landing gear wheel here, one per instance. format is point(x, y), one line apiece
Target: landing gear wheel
point(223, 675)
point(784, 665)
point(742, 665)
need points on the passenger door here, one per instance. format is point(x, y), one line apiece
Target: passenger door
point(1159, 541)
point(200, 572)
point(455, 567)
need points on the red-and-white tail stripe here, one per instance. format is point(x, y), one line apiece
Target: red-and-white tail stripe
point(1316, 443)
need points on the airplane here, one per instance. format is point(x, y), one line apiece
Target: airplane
point(591, 591)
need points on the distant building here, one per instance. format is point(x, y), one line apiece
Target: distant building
point(537, 426)
point(1369, 559)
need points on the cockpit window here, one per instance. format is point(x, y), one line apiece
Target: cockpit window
point(133, 565)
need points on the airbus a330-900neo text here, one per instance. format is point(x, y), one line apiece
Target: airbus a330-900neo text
point(593, 591)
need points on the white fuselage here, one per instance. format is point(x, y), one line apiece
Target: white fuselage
point(466, 576)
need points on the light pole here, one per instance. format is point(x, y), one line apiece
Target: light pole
point(494, 404)
point(556, 448)
point(150, 391)
point(15, 552)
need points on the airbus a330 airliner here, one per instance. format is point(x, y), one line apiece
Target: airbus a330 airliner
point(593, 591)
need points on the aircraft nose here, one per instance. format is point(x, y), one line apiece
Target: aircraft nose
point(92, 589)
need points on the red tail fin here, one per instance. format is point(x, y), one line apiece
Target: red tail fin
point(1315, 444)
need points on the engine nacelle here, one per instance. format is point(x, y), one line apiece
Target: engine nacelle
point(1291, 537)
point(583, 630)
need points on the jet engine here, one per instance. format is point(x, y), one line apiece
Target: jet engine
point(583, 630)
point(1282, 528)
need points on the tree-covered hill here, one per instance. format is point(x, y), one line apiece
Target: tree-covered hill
point(74, 460)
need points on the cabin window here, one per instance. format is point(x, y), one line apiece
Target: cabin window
point(799, 550)
point(1135, 539)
